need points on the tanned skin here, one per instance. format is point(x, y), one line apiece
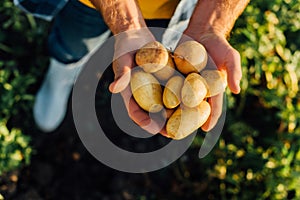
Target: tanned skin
point(210, 24)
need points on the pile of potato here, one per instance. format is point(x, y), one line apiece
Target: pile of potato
point(187, 85)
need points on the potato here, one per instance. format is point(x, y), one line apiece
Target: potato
point(216, 81)
point(182, 102)
point(172, 92)
point(194, 90)
point(152, 57)
point(190, 56)
point(146, 91)
point(167, 71)
point(185, 121)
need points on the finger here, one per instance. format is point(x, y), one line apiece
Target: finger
point(216, 104)
point(153, 124)
point(120, 83)
point(122, 70)
point(163, 132)
point(166, 114)
point(234, 71)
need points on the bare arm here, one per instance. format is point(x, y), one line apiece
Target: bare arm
point(215, 16)
point(126, 22)
point(210, 24)
point(120, 15)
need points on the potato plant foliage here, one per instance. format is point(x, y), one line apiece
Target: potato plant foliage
point(259, 149)
point(21, 43)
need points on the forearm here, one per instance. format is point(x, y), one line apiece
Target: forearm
point(120, 15)
point(215, 16)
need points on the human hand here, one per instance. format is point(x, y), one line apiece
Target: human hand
point(228, 59)
point(126, 45)
point(225, 58)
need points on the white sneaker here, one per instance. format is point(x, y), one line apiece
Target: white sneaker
point(51, 101)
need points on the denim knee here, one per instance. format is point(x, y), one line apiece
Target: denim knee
point(74, 31)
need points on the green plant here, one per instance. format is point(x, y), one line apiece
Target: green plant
point(14, 145)
point(15, 150)
point(21, 41)
point(258, 155)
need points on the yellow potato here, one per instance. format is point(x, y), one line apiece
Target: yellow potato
point(146, 91)
point(185, 121)
point(194, 90)
point(190, 56)
point(216, 81)
point(152, 57)
point(167, 71)
point(172, 92)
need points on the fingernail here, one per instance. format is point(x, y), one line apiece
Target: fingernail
point(237, 83)
point(111, 87)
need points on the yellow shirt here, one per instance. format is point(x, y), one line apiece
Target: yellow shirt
point(151, 9)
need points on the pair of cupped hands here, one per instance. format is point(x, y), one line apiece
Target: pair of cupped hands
point(220, 52)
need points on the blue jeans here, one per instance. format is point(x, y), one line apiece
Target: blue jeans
point(74, 32)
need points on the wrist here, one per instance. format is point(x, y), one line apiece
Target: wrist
point(205, 32)
point(124, 25)
point(120, 15)
point(134, 35)
point(131, 40)
point(215, 17)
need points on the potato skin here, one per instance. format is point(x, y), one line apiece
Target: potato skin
point(182, 101)
point(152, 57)
point(167, 71)
point(172, 92)
point(185, 121)
point(146, 91)
point(216, 81)
point(194, 90)
point(190, 56)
